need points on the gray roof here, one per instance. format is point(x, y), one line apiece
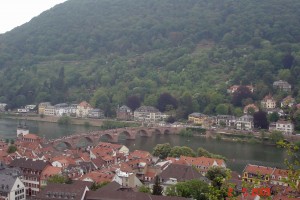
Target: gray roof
point(6, 182)
point(182, 173)
point(29, 163)
point(147, 109)
point(124, 108)
point(73, 191)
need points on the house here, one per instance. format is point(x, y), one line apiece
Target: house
point(175, 173)
point(250, 109)
point(83, 109)
point(282, 85)
point(113, 191)
point(234, 88)
point(22, 129)
point(278, 176)
point(127, 179)
point(48, 172)
point(225, 120)
point(32, 172)
point(202, 164)
point(49, 111)
point(268, 102)
point(98, 177)
point(3, 107)
point(256, 173)
point(288, 101)
point(148, 114)
point(244, 123)
point(266, 175)
point(11, 187)
point(31, 108)
point(61, 109)
point(96, 113)
point(76, 191)
point(30, 138)
point(42, 107)
point(124, 113)
point(285, 127)
point(197, 118)
point(280, 112)
point(22, 110)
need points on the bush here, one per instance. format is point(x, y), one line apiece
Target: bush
point(65, 120)
point(11, 149)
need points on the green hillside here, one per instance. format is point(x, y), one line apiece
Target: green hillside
point(105, 51)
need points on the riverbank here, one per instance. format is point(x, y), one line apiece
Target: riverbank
point(54, 119)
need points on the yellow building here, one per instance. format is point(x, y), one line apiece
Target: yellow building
point(198, 118)
point(42, 107)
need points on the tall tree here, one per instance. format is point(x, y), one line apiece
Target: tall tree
point(240, 94)
point(157, 189)
point(166, 101)
point(260, 120)
point(133, 102)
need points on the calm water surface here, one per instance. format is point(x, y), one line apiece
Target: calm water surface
point(238, 154)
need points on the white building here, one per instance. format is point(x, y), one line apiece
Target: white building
point(268, 102)
point(127, 179)
point(244, 123)
point(286, 127)
point(148, 114)
point(11, 188)
point(83, 109)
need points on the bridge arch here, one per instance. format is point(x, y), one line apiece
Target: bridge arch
point(68, 144)
point(106, 135)
point(156, 131)
point(167, 132)
point(125, 133)
point(143, 133)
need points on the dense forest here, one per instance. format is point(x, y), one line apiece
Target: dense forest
point(106, 51)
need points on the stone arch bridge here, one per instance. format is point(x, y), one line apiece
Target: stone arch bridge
point(93, 137)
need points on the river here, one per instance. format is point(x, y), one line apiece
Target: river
point(238, 154)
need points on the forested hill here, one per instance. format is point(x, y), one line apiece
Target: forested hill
point(104, 51)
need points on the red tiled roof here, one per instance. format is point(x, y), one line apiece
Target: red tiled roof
point(255, 169)
point(140, 154)
point(50, 171)
point(202, 161)
point(98, 176)
point(31, 136)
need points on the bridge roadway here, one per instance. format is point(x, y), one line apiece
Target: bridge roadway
point(93, 137)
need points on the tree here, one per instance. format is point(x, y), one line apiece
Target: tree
point(273, 117)
point(296, 120)
point(57, 179)
point(217, 175)
point(166, 102)
point(12, 149)
point(276, 136)
point(288, 61)
point(95, 186)
point(162, 150)
point(203, 152)
point(133, 102)
point(157, 189)
point(194, 189)
point(292, 163)
point(260, 120)
point(222, 109)
point(145, 189)
point(240, 94)
point(178, 151)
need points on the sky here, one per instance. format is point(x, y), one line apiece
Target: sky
point(14, 13)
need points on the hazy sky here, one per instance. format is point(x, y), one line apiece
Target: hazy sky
point(14, 13)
